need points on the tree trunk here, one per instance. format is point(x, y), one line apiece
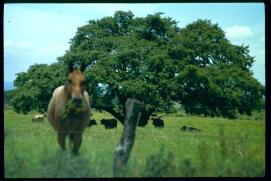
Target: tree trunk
point(144, 117)
point(123, 149)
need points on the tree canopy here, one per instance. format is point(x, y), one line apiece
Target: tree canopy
point(154, 61)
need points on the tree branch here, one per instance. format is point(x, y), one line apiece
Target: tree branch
point(110, 110)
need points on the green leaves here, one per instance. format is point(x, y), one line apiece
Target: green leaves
point(153, 60)
point(35, 87)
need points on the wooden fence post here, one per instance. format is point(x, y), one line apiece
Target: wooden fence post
point(124, 147)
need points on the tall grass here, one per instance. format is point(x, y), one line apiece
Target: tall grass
point(223, 148)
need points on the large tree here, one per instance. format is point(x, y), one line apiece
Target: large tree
point(34, 87)
point(127, 58)
point(215, 76)
point(154, 61)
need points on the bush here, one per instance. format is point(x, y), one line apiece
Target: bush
point(65, 165)
point(256, 115)
point(159, 164)
point(180, 114)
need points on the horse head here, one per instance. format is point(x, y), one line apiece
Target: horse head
point(75, 84)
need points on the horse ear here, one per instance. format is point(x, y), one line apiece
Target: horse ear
point(70, 66)
point(83, 67)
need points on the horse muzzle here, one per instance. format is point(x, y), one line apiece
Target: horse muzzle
point(77, 99)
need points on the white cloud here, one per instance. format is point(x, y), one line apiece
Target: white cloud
point(238, 32)
point(10, 44)
point(29, 52)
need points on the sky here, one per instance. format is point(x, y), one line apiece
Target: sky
point(39, 33)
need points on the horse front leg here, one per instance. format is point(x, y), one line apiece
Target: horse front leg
point(77, 141)
point(61, 138)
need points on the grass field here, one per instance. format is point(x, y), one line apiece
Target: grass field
point(223, 148)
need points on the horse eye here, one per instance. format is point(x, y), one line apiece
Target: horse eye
point(70, 81)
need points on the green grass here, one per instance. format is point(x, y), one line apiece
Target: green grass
point(223, 148)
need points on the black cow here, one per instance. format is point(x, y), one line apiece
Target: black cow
point(192, 129)
point(92, 122)
point(109, 123)
point(157, 122)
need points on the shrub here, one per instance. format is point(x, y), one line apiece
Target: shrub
point(65, 165)
point(159, 164)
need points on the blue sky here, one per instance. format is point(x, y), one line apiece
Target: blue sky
point(39, 33)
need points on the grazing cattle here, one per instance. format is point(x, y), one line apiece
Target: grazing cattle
point(109, 123)
point(92, 122)
point(38, 118)
point(157, 122)
point(69, 109)
point(192, 129)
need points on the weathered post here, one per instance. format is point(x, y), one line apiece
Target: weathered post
point(124, 147)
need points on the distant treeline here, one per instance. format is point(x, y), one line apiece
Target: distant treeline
point(8, 95)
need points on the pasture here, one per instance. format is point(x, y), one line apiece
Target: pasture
point(223, 148)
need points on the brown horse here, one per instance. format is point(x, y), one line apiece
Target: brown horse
point(69, 109)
